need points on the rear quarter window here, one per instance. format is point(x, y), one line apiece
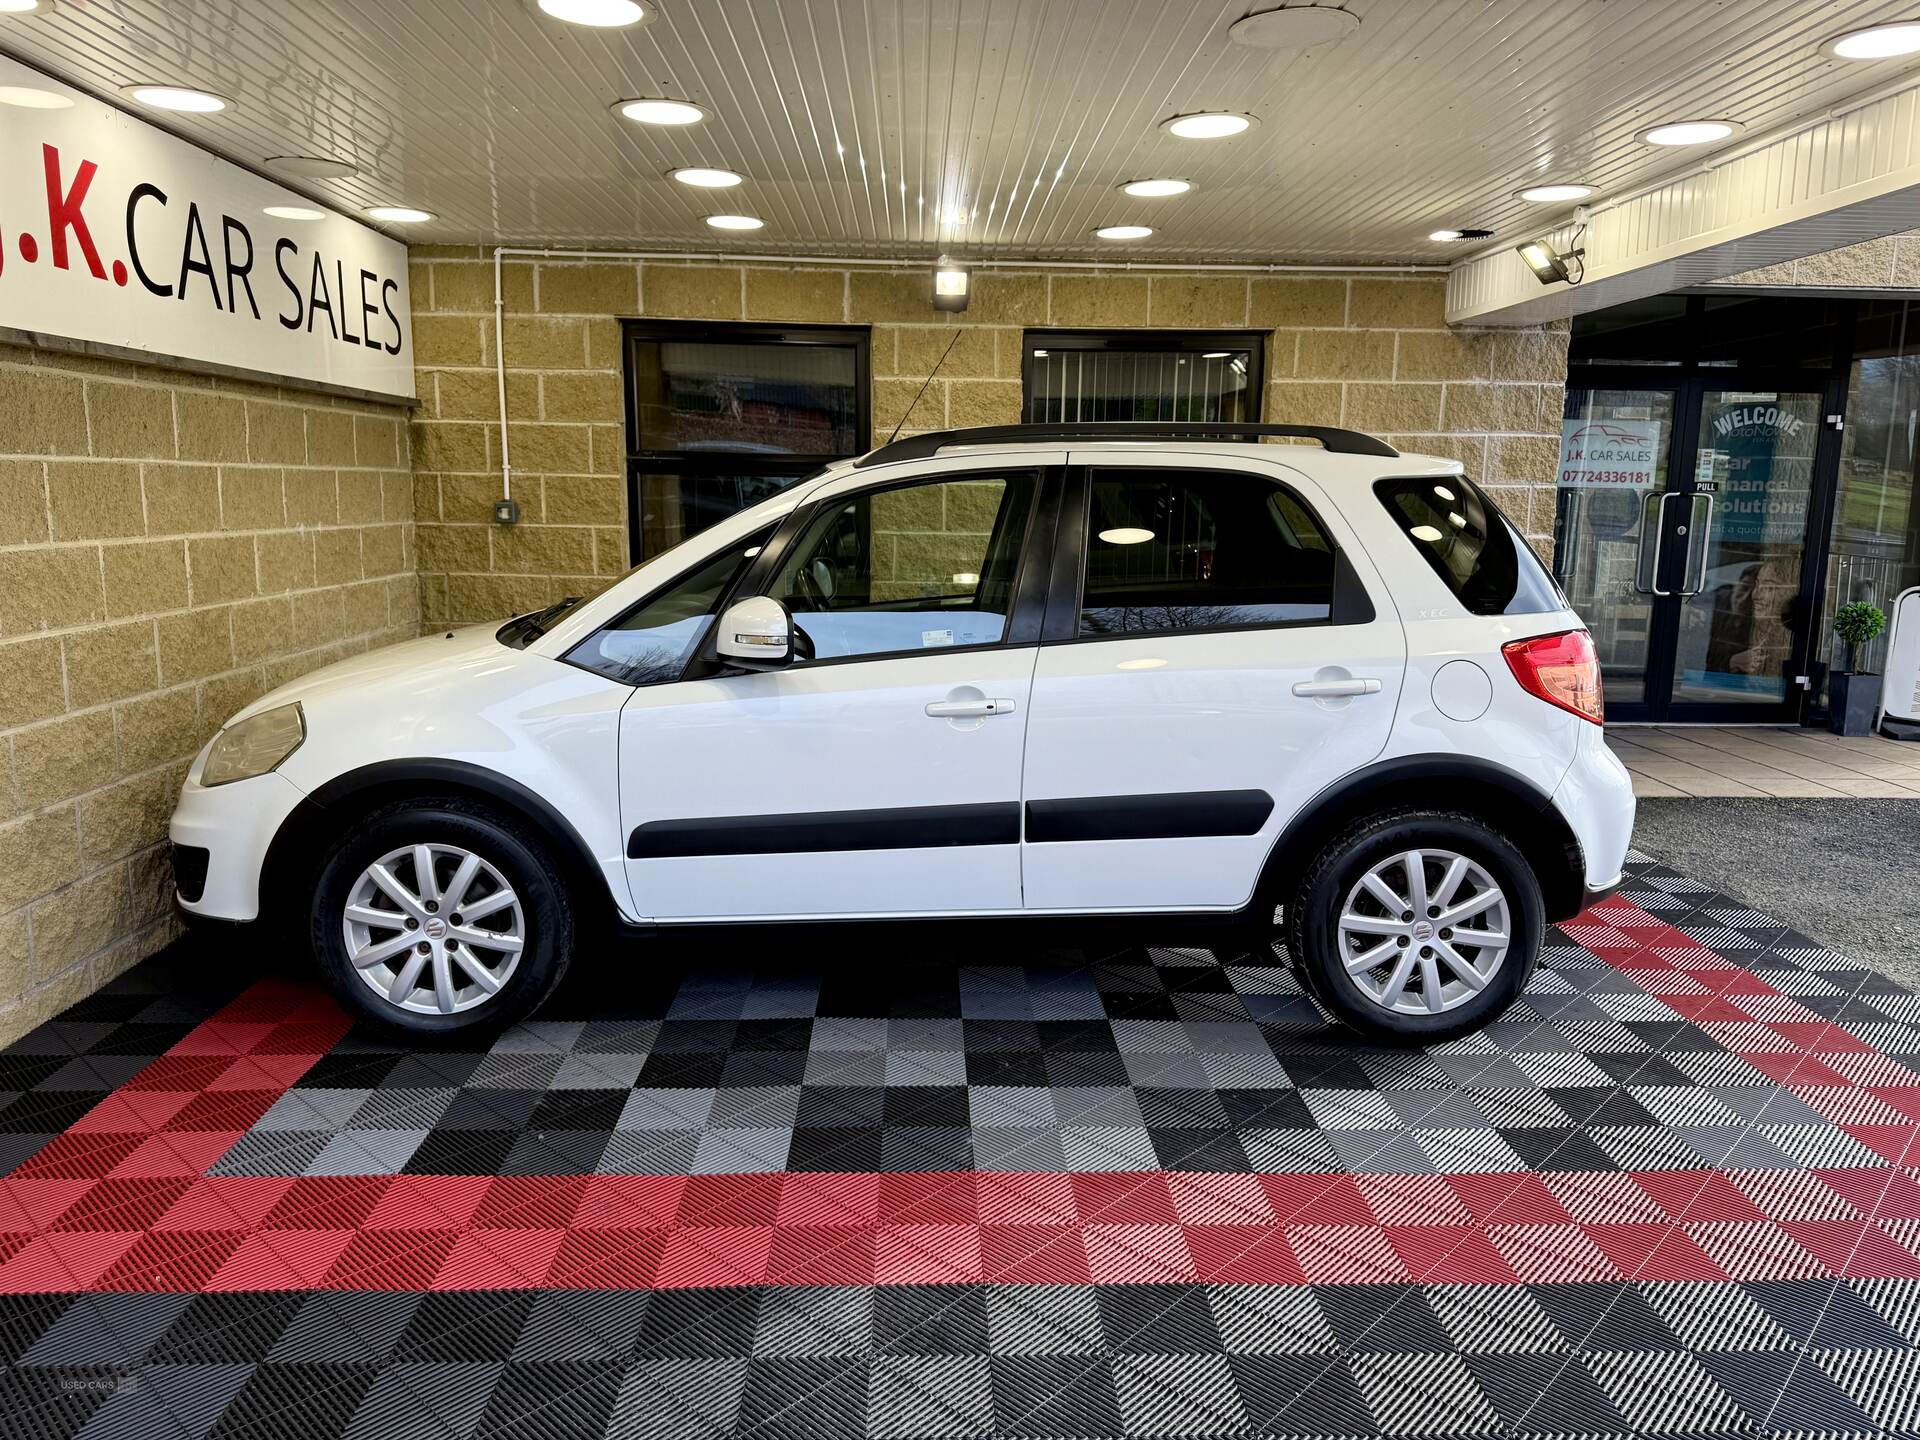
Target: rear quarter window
point(1470, 545)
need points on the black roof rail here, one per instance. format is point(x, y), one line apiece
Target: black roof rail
point(919, 447)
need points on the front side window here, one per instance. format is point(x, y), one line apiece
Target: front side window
point(917, 567)
point(1200, 550)
point(651, 643)
point(1471, 546)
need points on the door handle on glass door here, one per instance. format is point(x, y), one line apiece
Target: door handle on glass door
point(968, 709)
point(1332, 689)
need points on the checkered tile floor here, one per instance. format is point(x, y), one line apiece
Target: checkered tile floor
point(1675, 1192)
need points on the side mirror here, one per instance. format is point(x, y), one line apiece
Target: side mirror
point(756, 633)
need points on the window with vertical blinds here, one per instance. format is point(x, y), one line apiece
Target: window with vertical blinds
point(1075, 376)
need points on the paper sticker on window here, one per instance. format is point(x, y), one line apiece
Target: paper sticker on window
point(930, 638)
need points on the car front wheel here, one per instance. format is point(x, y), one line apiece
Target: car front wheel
point(1418, 926)
point(435, 916)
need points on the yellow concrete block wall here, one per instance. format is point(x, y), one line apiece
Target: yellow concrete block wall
point(1369, 351)
point(171, 546)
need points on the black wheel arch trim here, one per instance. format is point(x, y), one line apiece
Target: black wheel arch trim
point(1552, 847)
point(308, 824)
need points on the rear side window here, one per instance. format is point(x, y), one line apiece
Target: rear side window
point(1200, 550)
point(1471, 546)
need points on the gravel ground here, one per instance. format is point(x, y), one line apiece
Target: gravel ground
point(1846, 872)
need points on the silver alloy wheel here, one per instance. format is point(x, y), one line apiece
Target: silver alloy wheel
point(1424, 931)
point(433, 929)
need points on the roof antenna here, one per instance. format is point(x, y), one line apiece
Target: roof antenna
point(923, 385)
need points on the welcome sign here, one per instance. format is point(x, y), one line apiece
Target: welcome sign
point(116, 233)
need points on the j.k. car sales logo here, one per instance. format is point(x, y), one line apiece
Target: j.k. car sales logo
point(175, 252)
point(118, 235)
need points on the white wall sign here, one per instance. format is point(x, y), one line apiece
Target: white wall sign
point(117, 233)
point(1609, 454)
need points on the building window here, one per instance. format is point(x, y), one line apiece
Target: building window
point(1082, 375)
point(719, 417)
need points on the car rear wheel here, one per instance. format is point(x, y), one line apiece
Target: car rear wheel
point(440, 915)
point(1417, 926)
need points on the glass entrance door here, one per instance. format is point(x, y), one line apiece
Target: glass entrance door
point(1681, 540)
point(1740, 646)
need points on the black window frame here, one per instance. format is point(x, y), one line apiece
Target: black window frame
point(793, 468)
point(1350, 602)
point(1174, 342)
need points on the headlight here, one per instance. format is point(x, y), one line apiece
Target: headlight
point(254, 746)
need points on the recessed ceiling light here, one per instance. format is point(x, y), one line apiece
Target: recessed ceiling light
point(1550, 194)
point(1207, 125)
point(27, 98)
point(1881, 42)
point(1444, 235)
point(1126, 535)
point(18, 7)
point(599, 14)
point(312, 167)
point(954, 214)
point(399, 214)
point(660, 112)
point(1218, 355)
point(1124, 232)
point(1293, 27)
point(705, 178)
point(1689, 132)
point(176, 97)
point(294, 212)
point(735, 222)
point(1149, 189)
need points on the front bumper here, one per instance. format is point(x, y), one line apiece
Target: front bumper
point(234, 824)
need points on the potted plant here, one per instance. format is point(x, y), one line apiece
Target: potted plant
point(1853, 696)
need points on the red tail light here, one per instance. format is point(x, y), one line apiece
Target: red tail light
point(1561, 669)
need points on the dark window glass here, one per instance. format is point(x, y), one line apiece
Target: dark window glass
point(1767, 331)
point(1470, 545)
point(1075, 376)
point(1652, 331)
point(1875, 550)
point(1200, 549)
point(917, 567)
point(651, 643)
point(722, 416)
point(759, 398)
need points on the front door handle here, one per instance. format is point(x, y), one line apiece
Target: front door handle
point(1333, 689)
point(968, 709)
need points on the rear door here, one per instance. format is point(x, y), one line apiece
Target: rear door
point(1215, 652)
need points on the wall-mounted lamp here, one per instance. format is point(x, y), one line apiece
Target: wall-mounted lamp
point(952, 284)
point(1550, 265)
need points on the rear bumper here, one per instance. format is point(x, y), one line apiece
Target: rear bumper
point(1595, 798)
point(1594, 894)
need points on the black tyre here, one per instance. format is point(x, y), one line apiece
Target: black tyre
point(1417, 926)
point(435, 916)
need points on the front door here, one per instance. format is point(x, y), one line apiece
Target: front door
point(1681, 540)
point(879, 774)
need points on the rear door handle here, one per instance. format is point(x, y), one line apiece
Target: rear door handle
point(1330, 689)
point(968, 709)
